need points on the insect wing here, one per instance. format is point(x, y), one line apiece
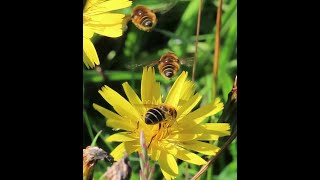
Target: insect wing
point(148, 63)
point(187, 61)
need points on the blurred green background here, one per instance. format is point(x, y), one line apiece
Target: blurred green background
point(175, 31)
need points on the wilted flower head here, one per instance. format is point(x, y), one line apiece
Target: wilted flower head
point(169, 139)
point(97, 18)
point(90, 157)
point(120, 170)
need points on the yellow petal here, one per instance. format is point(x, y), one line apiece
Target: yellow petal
point(114, 120)
point(87, 32)
point(155, 152)
point(166, 175)
point(87, 62)
point(110, 5)
point(156, 93)
point(150, 89)
point(132, 146)
point(168, 163)
point(133, 98)
point(183, 154)
point(137, 104)
point(105, 19)
point(121, 105)
point(118, 152)
point(115, 123)
point(188, 106)
point(197, 132)
point(175, 92)
point(110, 31)
point(124, 147)
point(91, 56)
point(90, 3)
point(190, 157)
point(187, 91)
point(221, 129)
point(208, 137)
point(120, 137)
point(201, 147)
point(200, 114)
point(183, 137)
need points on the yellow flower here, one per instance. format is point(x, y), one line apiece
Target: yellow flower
point(175, 137)
point(97, 18)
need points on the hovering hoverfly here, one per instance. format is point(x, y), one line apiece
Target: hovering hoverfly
point(168, 64)
point(145, 18)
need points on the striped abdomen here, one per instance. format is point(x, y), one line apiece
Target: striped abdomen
point(169, 65)
point(144, 18)
point(154, 116)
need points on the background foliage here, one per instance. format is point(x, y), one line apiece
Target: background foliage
point(175, 31)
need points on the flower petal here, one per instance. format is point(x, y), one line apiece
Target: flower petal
point(166, 175)
point(110, 31)
point(187, 91)
point(182, 154)
point(188, 106)
point(208, 137)
point(183, 137)
point(110, 5)
point(190, 157)
point(116, 124)
point(118, 152)
point(221, 129)
point(154, 152)
point(121, 105)
point(200, 114)
point(133, 98)
point(87, 62)
point(168, 163)
point(201, 147)
point(124, 147)
point(120, 137)
point(104, 20)
point(175, 91)
point(87, 32)
point(90, 3)
point(132, 146)
point(114, 120)
point(150, 89)
point(90, 54)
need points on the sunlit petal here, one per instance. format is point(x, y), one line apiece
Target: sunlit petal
point(201, 147)
point(168, 163)
point(175, 92)
point(91, 56)
point(120, 137)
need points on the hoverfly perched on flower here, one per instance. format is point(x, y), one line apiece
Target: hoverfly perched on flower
point(168, 64)
point(163, 114)
point(160, 113)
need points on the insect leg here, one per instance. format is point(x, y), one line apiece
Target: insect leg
point(151, 141)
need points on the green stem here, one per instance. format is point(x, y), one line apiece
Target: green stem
point(86, 120)
point(212, 160)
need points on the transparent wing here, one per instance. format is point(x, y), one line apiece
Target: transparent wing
point(148, 63)
point(187, 61)
point(164, 6)
point(147, 106)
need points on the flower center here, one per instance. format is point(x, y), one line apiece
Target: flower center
point(161, 131)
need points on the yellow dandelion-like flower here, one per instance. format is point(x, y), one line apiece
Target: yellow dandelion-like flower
point(97, 18)
point(172, 138)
